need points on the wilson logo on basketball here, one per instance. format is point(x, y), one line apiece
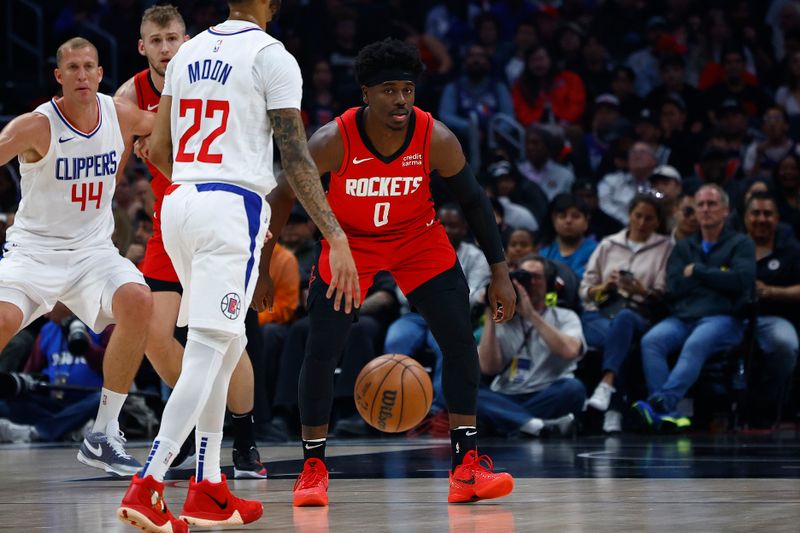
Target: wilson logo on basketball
point(387, 405)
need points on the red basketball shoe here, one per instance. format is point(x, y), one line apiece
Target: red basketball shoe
point(212, 504)
point(471, 481)
point(144, 507)
point(311, 488)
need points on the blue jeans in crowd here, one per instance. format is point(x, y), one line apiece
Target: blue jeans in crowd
point(508, 412)
point(697, 341)
point(409, 334)
point(777, 339)
point(53, 418)
point(613, 336)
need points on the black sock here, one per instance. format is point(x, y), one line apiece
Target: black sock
point(462, 439)
point(243, 437)
point(314, 448)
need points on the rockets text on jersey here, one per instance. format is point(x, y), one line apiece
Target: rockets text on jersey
point(375, 195)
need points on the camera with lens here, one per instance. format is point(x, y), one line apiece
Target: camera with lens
point(14, 384)
point(77, 336)
point(523, 277)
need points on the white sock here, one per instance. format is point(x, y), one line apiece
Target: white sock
point(110, 406)
point(160, 458)
point(532, 426)
point(208, 453)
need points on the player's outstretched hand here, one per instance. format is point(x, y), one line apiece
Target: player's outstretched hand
point(264, 294)
point(344, 277)
point(502, 296)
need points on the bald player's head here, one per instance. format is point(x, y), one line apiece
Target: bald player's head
point(74, 44)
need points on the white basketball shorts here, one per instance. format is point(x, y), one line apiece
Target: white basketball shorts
point(213, 233)
point(84, 280)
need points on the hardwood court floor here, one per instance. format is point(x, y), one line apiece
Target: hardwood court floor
point(631, 483)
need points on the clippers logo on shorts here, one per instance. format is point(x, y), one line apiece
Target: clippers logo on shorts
point(231, 305)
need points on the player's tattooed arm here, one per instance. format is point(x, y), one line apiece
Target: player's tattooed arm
point(302, 173)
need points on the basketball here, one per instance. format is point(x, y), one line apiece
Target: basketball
point(393, 393)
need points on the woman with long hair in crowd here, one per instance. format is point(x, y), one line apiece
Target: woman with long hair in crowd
point(622, 288)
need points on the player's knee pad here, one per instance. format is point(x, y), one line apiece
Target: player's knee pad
point(218, 339)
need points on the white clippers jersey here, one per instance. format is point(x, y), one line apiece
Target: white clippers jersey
point(220, 129)
point(66, 195)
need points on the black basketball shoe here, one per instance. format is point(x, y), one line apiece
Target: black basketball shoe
point(247, 464)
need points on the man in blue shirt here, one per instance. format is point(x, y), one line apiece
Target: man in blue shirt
point(710, 278)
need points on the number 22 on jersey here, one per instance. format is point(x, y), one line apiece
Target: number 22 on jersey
point(205, 114)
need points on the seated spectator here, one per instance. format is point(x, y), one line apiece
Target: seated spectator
point(522, 242)
point(506, 180)
point(410, 333)
point(600, 224)
point(788, 95)
point(645, 61)
point(667, 181)
point(715, 166)
point(595, 70)
point(320, 104)
point(648, 130)
point(672, 69)
point(616, 190)
point(622, 290)
point(525, 38)
point(297, 236)
point(778, 291)
point(762, 156)
point(570, 245)
point(786, 180)
point(732, 132)
point(622, 86)
point(594, 145)
point(734, 84)
point(531, 359)
point(684, 144)
point(539, 165)
point(546, 95)
point(67, 353)
point(476, 94)
point(710, 279)
point(684, 218)
point(507, 185)
point(489, 36)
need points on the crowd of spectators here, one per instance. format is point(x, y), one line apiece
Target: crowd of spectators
point(647, 193)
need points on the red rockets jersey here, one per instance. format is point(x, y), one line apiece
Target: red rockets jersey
point(147, 98)
point(372, 195)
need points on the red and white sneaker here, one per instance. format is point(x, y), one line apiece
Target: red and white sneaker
point(144, 507)
point(212, 504)
point(472, 481)
point(311, 487)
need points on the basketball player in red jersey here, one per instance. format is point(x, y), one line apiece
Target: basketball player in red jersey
point(163, 31)
point(380, 157)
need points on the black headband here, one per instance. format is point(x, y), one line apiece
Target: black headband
point(389, 74)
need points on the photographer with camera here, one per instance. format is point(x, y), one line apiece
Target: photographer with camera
point(66, 353)
point(622, 288)
point(532, 359)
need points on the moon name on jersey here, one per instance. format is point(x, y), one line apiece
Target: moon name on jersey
point(207, 69)
point(93, 166)
point(379, 186)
